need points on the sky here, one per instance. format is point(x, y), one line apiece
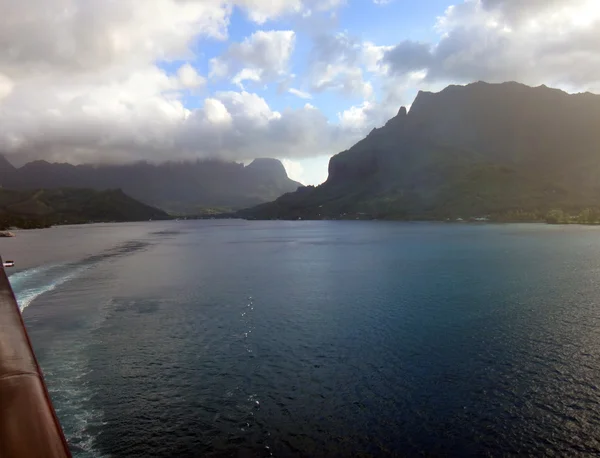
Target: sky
point(96, 81)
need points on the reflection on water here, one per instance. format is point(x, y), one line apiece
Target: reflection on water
point(318, 338)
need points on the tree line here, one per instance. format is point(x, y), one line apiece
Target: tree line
point(585, 216)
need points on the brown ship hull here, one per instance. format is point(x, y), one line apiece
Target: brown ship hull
point(29, 426)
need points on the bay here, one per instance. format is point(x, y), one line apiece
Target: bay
point(332, 338)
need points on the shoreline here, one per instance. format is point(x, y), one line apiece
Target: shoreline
point(12, 229)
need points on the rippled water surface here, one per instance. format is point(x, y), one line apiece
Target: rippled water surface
point(232, 338)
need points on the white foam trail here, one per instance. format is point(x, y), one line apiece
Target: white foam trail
point(71, 393)
point(19, 277)
point(27, 296)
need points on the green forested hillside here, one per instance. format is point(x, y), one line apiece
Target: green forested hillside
point(43, 208)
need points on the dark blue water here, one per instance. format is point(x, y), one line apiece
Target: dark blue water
point(230, 338)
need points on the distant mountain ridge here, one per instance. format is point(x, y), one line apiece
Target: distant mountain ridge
point(177, 187)
point(467, 151)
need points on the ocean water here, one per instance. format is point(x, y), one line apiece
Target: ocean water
point(233, 338)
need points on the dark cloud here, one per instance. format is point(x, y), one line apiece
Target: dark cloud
point(409, 56)
point(517, 10)
point(483, 40)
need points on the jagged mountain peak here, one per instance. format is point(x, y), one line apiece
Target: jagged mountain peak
point(478, 148)
point(274, 166)
point(5, 164)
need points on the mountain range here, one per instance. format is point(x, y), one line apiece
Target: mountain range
point(177, 187)
point(499, 151)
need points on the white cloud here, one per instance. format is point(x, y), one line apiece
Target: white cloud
point(257, 131)
point(189, 77)
point(299, 93)
point(337, 63)
point(218, 68)
point(356, 117)
point(372, 58)
point(6, 86)
point(216, 112)
point(247, 74)
point(261, 57)
point(79, 117)
point(80, 82)
point(261, 11)
point(129, 119)
point(41, 36)
point(395, 93)
point(294, 170)
point(247, 106)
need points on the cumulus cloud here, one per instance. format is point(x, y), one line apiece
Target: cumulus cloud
point(516, 10)
point(79, 117)
point(396, 91)
point(189, 77)
point(539, 41)
point(336, 63)
point(373, 58)
point(261, 11)
point(299, 93)
point(41, 36)
point(253, 129)
point(261, 57)
point(6, 86)
point(143, 125)
point(248, 74)
point(80, 82)
point(358, 117)
point(342, 63)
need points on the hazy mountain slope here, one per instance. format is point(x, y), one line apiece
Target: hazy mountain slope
point(466, 151)
point(179, 187)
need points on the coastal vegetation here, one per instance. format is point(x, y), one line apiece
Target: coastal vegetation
point(590, 216)
point(43, 208)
